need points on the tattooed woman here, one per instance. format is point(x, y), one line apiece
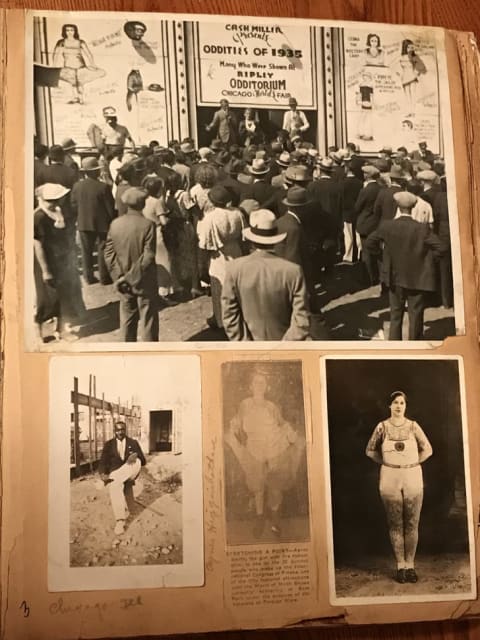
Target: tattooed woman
point(400, 446)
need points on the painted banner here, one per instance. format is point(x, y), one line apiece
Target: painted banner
point(254, 64)
point(392, 92)
point(106, 63)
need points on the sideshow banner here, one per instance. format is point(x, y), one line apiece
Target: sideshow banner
point(93, 63)
point(255, 64)
point(392, 89)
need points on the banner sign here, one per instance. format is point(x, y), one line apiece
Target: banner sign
point(392, 92)
point(98, 64)
point(254, 65)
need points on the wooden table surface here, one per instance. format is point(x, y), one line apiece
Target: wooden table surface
point(454, 14)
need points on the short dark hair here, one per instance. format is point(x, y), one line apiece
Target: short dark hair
point(40, 150)
point(56, 153)
point(119, 424)
point(166, 156)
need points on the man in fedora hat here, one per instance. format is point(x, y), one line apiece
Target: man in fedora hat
point(261, 190)
point(92, 202)
point(283, 162)
point(294, 247)
point(69, 145)
point(431, 186)
point(130, 257)
point(230, 182)
point(385, 206)
point(294, 121)
point(264, 296)
point(224, 124)
point(408, 265)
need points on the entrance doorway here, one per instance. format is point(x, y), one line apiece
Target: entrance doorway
point(161, 433)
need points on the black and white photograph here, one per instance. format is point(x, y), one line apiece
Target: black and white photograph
point(228, 180)
point(125, 506)
point(397, 465)
point(264, 445)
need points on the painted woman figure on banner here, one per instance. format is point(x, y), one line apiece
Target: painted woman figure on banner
point(411, 68)
point(374, 54)
point(269, 451)
point(365, 98)
point(78, 67)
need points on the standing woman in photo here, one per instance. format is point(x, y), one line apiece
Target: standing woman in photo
point(78, 67)
point(400, 446)
point(411, 68)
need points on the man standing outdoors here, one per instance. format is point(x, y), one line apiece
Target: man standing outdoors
point(120, 462)
point(93, 203)
point(130, 257)
point(264, 297)
point(408, 265)
point(294, 121)
point(224, 124)
point(111, 136)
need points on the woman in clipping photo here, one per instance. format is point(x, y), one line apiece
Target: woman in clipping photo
point(78, 67)
point(400, 446)
point(412, 67)
point(269, 451)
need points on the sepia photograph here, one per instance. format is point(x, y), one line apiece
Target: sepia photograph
point(222, 180)
point(264, 445)
point(397, 464)
point(125, 473)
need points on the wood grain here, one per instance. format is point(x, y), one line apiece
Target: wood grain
point(454, 14)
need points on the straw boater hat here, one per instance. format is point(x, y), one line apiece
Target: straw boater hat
point(326, 164)
point(427, 176)
point(109, 112)
point(263, 228)
point(90, 164)
point(68, 144)
point(405, 199)
point(259, 167)
point(51, 191)
point(284, 159)
point(423, 166)
point(205, 152)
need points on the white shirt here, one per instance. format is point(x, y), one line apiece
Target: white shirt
point(121, 444)
point(289, 120)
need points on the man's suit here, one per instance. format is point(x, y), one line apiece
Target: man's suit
point(367, 221)
point(264, 297)
point(130, 253)
point(385, 206)
point(92, 202)
point(225, 124)
point(110, 459)
point(408, 269)
point(119, 472)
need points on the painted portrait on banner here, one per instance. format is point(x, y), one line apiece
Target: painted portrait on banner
point(252, 64)
point(115, 63)
point(391, 87)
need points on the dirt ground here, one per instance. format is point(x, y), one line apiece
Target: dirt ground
point(351, 311)
point(153, 532)
point(449, 573)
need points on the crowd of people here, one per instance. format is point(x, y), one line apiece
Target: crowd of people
point(256, 226)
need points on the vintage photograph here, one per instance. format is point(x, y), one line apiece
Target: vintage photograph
point(224, 179)
point(125, 473)
point(264, 445)
point(397, 463)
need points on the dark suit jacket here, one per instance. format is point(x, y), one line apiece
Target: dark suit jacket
point(235, 187)
point(264, 297)
point(130, 252)
point(350, 187)
point(385, 206)
point(441, 224)
point(110, 460)
point(367, 218)
point(327, 192)
point(409, 253)
point(93, 203)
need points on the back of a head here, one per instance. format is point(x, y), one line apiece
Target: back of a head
point(166, 156)
point(40, 150)
point(56, 153)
